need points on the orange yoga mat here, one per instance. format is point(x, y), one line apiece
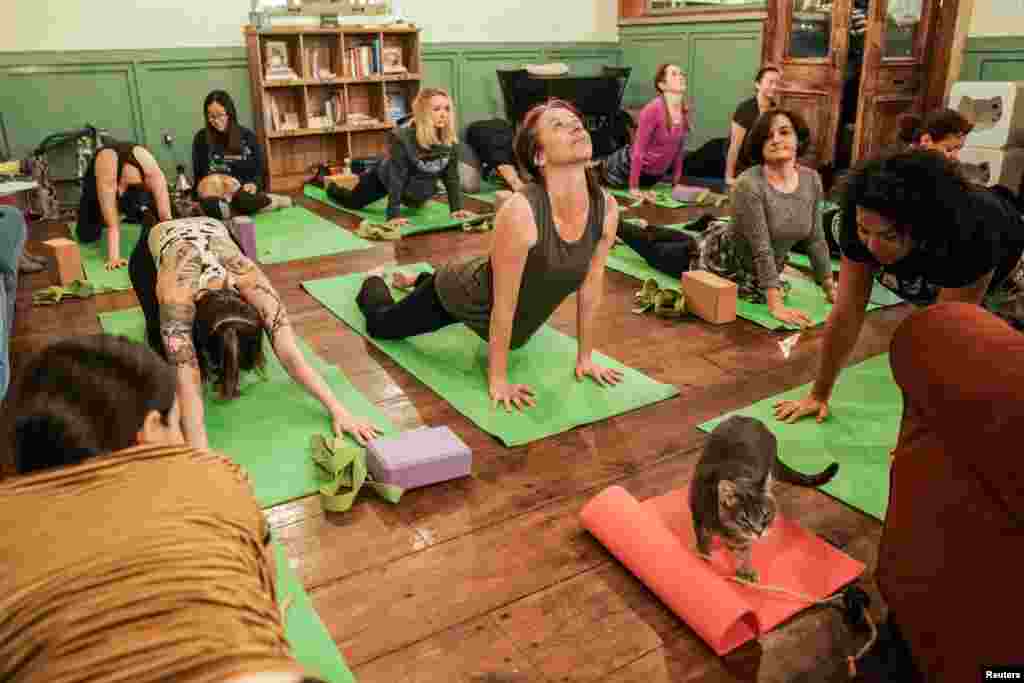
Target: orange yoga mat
point(655, 541)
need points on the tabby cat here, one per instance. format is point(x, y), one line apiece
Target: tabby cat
point(983, 113)
point(731, 491)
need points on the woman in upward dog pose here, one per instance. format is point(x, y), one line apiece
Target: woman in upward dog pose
point(207, 307)
point(776, 206)
point(550, 239)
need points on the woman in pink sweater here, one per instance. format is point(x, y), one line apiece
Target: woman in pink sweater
point(660, 140)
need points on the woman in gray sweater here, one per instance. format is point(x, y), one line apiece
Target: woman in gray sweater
point(776, 205)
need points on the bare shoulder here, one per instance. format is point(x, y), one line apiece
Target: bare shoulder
point(145, 158)
point(515, 221)
point(611, 214)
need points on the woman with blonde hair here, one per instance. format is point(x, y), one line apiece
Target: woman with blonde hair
point(421, 153)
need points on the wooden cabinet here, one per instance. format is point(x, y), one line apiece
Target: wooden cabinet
point(335, 93)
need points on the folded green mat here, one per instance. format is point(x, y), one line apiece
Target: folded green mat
point(430, 217)
point(311, 642)
point(453, 361)
point(866, 410)
point(297, 233)
point(94, 257)
point(267, 430)
point(804, 295)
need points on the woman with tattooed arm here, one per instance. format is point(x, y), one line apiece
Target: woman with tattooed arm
point(206, 308)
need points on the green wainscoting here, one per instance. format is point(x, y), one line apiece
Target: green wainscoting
point(145, 94)
point(719, 59)
point(993, 59)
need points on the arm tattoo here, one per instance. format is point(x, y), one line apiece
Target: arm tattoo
point(176, 330)
point(274, 316)
point(238, 265)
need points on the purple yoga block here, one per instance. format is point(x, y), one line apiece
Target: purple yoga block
point(245, 232)
point(418, 457)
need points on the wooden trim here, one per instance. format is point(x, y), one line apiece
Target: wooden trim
point(697, 17)
point(350, 28)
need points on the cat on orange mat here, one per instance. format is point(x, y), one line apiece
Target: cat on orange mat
point(731, 491)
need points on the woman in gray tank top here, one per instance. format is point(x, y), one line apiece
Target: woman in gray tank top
point(550, 239)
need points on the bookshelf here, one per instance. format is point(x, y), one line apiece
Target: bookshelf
point(323, 94)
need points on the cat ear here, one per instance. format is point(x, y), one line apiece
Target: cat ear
point(727, 493)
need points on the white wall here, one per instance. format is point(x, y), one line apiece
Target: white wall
point(997, 18)
point(122, 24)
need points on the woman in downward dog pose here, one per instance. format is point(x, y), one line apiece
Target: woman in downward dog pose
point(207, 307)
point(550, 239)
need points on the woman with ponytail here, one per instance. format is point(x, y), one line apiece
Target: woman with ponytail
point(110, 522)
point(207, 307)
point(660, 141)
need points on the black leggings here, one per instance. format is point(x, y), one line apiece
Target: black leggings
point(142, 271)
point(370, 189)
point(418, 313)
point(664, 249)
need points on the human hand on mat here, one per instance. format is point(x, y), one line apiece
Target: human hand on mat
point(792, 316)
point(397, 222)
point(250, 187)
point(643, 196)
point(463, 214)
point(606, 377)
point(361, 430)
point(518, 395)
point(114, 264)
point(791, 411)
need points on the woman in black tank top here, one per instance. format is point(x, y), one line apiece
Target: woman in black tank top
point(551, 239)
point(122, 178)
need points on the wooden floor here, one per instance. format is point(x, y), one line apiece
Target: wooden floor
point(492, 578)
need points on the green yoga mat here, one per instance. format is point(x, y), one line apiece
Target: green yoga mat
point(866, 409)
point(804, 295)
point(453, 361)
point(312, 645)
point(94, 257)
point(430, 217)
point(488, 191)
point(267, 430)
point(283, 235)
point(297, 233)
point(662, 192)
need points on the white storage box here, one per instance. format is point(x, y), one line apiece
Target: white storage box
point(994, 166)
point(995, 107)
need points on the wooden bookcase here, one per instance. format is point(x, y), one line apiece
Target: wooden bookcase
point(354, 89)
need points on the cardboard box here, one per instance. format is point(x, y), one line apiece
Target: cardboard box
point(65, 260)
point(709, 297)
point(995, 107)
point(989, 167)
point(418, 457)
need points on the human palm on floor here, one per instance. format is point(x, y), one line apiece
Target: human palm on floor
point(776, 205)
point(550, 240)
point(207, 307)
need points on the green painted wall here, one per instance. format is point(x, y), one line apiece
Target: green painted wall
point(719, 60)
point(993, 59)
point(144, 94)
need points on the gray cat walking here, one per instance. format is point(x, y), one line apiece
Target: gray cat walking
point(731, 491)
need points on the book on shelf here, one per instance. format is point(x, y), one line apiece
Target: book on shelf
point(277, 61)
point(364, 58)
point(391, 60)
point(319, 61)
point(396, 103)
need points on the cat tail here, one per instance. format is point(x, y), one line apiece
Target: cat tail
point(787, 474)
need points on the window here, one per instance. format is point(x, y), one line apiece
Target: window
point(655, 6)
